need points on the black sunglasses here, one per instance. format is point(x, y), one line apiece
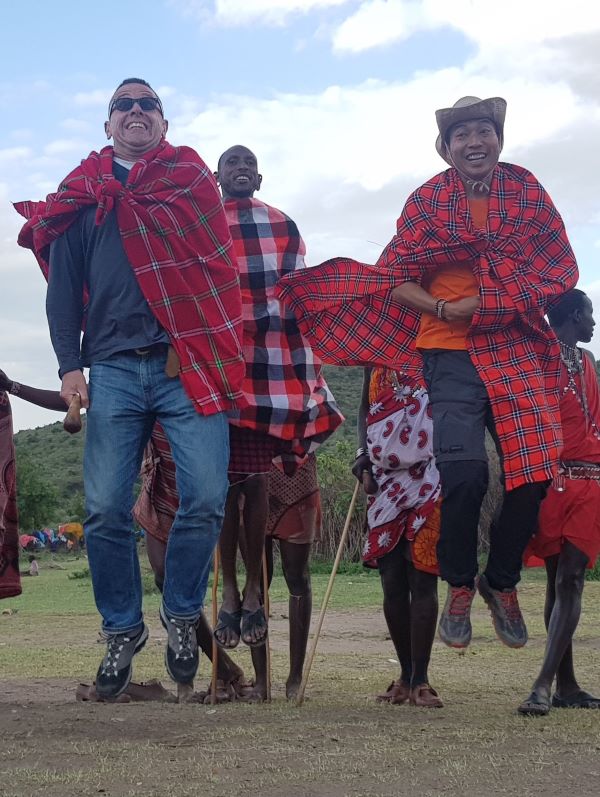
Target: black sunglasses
point(126, 104)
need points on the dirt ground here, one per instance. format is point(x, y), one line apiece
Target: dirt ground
point(340, 743)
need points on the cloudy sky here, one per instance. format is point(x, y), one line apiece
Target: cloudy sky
point(336, 97)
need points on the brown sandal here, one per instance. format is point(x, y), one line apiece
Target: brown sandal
point(397, 694)
point(425, 696)
point(147, 692)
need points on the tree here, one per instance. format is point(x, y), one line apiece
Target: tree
point(36, 498)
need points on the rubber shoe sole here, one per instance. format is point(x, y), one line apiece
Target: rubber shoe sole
point(110, 687)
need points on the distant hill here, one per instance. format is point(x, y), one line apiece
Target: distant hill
point(58, 456)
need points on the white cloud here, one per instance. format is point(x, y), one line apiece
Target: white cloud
point(234, 13)
point(342, 160)
point(511, 23)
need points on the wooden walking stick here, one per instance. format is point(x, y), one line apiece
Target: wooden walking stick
point(72, 421)
point(336, 564)
point(267, 612)
point(215, 649)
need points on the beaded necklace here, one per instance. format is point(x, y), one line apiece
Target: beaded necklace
point(572, 359)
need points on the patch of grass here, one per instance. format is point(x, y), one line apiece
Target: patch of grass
point(341, 743)
point(74, 575)
point(593, 574)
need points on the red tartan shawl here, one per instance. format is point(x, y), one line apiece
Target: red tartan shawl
point(10, 580)
point(284, 390)
point(523, 260)
point(176, 239)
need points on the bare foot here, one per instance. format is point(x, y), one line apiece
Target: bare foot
point(254, 627)
point(227, 632)
point(256, 694)
point(292, 687)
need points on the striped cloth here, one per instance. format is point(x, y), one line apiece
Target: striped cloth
point(177, 241)
point(285, 394)
point(523, 260)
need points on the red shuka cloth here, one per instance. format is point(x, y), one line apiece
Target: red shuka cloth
point(10, 582)
point(573, 514)
point(522, 259)
point(177, 241)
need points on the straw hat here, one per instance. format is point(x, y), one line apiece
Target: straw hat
point(465, 109)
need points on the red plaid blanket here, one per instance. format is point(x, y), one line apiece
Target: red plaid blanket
point(176, 238)
point(286, 395)
point(523, 260)
point(10, 580)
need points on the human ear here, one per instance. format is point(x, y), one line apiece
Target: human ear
point(107, 130)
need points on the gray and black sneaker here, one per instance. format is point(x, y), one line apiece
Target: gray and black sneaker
point(114, 672)
point(506, 615)
point(181, 655)
point(455, 622)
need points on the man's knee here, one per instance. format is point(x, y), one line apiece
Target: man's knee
point(298, 583)
point(467, 476)
point(205, 498)
point(569, 582)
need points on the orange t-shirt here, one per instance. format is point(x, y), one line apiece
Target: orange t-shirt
point(452, 282)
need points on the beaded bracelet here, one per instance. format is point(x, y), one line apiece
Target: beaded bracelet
point(360, 452)
point(439, 308)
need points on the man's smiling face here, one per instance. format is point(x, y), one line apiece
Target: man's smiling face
point(135, 131)
point(238, 173)
point(474, 147)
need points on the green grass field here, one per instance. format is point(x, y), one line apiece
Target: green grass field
point(341, 743)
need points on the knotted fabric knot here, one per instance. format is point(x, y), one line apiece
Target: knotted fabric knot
point(108, 190)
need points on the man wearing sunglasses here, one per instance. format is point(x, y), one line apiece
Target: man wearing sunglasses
point(137, 252)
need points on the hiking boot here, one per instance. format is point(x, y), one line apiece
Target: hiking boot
point(114, 672)
point(181, 655)
point(506, 615)
point(455, 622)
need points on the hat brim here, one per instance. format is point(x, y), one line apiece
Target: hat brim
point(494, 108)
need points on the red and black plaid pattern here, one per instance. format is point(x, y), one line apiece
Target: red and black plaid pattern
point(177, 241)
point(285, 394)
point(523, 261)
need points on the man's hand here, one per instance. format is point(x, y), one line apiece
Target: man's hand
point(461, 309)
point(361, 469)
point(74, 382)
point(5, 382)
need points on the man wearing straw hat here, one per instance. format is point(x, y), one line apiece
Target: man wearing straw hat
point(480, 252)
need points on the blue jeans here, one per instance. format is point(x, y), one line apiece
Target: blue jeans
point(128, 392)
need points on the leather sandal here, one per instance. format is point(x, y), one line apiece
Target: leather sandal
point(536, 705)
point(425, 696)
point(580, 699)
point(397, 694)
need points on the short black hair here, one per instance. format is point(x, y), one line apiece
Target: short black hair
point(134, 80)
point(561, 311)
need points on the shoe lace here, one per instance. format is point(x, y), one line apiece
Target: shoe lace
point(114, 647)
point(460, 602)
point(510, 605)
point(184, 639)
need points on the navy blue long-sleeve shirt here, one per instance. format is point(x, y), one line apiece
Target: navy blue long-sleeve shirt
point(117, 317)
